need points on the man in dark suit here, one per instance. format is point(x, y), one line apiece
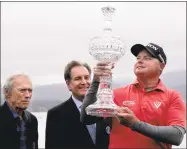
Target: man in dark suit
point(63, 126)
point(18, 127)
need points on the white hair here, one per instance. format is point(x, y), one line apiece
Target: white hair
point(7, 87)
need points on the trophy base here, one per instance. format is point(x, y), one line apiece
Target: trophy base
point(102, 110)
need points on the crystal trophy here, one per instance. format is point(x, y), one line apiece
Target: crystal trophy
point(106, 48)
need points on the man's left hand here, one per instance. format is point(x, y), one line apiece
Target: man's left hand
point(126, 117)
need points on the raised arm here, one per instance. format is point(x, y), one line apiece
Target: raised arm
point(90, 98)
point(101, 69)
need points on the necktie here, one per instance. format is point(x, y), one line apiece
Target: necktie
point(92, 130)
point(21, 130)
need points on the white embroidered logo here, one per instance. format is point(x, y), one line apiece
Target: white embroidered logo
point(153, 47)
point(157, 104)
point(128, 103)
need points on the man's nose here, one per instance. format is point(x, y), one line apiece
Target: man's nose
point(140, 60)
point(83, 81)
point(28, 93)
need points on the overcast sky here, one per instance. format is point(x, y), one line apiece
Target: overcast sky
point(40, 38)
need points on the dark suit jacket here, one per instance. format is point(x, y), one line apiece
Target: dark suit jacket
point(9, 137)
point(64, 129)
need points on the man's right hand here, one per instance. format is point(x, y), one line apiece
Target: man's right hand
point(102, 69)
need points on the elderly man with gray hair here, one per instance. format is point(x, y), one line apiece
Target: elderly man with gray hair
point(18, 127)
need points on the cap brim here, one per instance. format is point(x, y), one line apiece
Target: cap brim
point(139, 47)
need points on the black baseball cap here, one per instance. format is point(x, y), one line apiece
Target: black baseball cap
point(155, 50)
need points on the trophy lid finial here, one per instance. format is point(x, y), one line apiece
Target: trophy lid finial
point(108, 10)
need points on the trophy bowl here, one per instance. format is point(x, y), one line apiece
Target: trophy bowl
point(106, 49)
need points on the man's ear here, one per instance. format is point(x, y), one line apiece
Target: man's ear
point(68, 85)
point(7, 93)
point(162, 66)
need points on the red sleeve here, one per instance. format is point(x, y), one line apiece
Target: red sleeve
point(176, 114)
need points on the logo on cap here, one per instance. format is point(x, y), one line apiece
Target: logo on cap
point(152, 46)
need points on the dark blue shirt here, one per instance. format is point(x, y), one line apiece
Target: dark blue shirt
point(21, 128)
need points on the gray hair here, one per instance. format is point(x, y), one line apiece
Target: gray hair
point(72, 64)
point(7, 87)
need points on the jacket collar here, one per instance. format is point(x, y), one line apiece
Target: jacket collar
point(15, 115)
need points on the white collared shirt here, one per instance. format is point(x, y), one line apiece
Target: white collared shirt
point(77, 102)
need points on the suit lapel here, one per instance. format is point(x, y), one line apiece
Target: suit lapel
point(76, 115)
point(9, 124)
point(74, 109)
point(9, 119)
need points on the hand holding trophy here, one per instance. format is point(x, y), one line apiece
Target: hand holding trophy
point(107, 50)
